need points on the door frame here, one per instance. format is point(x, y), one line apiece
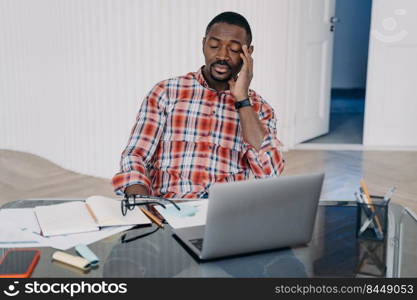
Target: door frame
point(293, 53)
point(293, 48)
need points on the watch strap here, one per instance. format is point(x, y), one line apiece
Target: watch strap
point(242, 103)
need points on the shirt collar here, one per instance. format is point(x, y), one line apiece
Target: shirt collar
point(200, 78)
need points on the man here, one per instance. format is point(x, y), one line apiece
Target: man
point(205, 127)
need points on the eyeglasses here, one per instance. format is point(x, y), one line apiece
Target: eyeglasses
point(124, 238)
point(129, 202)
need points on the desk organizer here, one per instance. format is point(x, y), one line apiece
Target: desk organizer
point(371, 258)
point(372, 219)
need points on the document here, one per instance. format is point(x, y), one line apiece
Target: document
point(192, 213)
point(65, 242)
point(12, 237)
point(88, 216)
point(26, 218)
point(108, 213)
point(65, 218)
point(19, 229)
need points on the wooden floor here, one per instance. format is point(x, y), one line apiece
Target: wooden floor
point(344, 169)
point(24, 175)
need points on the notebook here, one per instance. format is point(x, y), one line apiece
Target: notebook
point(85, 216)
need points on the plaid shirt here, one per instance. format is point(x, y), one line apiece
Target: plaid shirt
point(187, 137)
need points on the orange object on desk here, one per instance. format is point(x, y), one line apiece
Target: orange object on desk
point(152, 217)
point(19, 263)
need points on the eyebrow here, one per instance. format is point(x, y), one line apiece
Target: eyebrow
point(217, 39)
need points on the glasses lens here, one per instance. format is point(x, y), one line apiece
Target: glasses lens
point(123, 206)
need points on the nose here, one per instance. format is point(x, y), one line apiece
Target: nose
point(222, 54)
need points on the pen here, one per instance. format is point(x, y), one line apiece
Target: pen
point(152, 217)
point(369, 215)
point(388, 195)
point(365, 225)
point(368, 200)
point(358, 198)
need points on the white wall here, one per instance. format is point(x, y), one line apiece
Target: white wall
point(391, 96)
point(351, 38)
point(73, 72)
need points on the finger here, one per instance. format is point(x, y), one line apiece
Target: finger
point(248, 56)
point(247, 65)
point(245, 61)
point(246, 51)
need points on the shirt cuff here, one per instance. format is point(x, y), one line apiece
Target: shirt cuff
point(122, 180)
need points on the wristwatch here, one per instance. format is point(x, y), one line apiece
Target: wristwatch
point(243, 103)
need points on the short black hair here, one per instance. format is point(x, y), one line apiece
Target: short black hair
point(232, 18)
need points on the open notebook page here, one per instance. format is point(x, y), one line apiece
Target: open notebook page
point(65, 218)
point(108, 213)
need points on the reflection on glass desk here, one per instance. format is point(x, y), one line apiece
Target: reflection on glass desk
point(334, 251)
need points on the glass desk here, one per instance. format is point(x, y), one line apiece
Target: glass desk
point(333, 251)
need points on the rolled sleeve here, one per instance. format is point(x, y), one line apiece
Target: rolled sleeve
point(143, 140)
point(122, 180)
point(268, 160)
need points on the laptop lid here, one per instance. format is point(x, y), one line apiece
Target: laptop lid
point(256, 215)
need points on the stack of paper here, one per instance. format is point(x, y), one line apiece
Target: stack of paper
point(65, 225)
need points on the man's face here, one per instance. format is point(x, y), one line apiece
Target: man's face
point(222, 47)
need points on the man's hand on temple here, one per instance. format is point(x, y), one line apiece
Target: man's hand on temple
point(240, 87)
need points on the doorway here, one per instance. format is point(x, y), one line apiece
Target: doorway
point(349, 67)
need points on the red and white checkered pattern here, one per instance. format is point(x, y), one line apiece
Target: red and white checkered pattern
point(187, 136)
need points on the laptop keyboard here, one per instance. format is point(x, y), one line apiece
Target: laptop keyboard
point(198, 243)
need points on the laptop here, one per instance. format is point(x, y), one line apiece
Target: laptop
point(256, 215)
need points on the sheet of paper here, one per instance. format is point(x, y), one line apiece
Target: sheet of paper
point(11, 236)
point(192, 213)
point(65, 218)
point(108, 212)
point(65, 242)
point(22, 218)
point(16, 236)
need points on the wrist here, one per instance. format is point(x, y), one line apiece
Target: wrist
point(241, 97)
point(137, 189)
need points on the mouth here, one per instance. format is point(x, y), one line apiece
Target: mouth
point(220, 69)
